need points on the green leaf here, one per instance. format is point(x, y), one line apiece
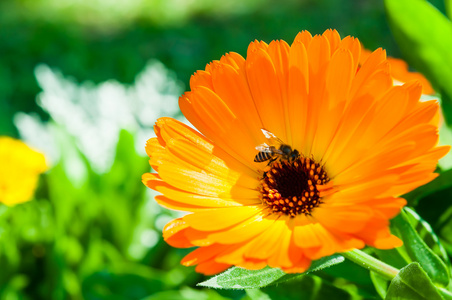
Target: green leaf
point(238, 278)
point(111, 285)
point(448, 4)
point(380, 284)
point(437, 211)
point(445, 163)
point(423, 34)
point(257, 294)
point(351, 277)
point(400, 257)
point(414, 284)
point(418, 250)
point(313, 287)
point(396, 257)
point(425, 231)
point(185, 293)
point(352, 272)
point(6, 124)
point(447, 295)
point(443, 181)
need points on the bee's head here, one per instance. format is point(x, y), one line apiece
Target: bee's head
point(295, 154)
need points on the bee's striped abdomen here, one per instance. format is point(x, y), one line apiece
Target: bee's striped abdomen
point(262, 156)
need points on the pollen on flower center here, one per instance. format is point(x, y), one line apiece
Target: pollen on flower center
point(290, 187)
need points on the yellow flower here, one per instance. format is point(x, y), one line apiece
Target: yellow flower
point(360, 143)
point(20, 167)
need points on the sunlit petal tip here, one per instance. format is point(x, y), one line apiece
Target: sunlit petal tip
point(445, 149)
point(173, 227)
point(400, 72)
point(146, 178)
point(302, 151)
point(304, 37)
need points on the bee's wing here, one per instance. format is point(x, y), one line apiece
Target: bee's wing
point(272, 139)
point(263, 148)
point(266, 148)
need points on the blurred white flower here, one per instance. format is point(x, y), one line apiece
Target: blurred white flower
point(94, 115)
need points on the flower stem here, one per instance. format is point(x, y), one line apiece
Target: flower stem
point(371, 263)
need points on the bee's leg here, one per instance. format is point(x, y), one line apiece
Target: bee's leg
point(295, 155)
point(269, 165)
point(272, 160)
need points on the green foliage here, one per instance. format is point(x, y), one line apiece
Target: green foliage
point(421, 247)
point(449, 8)
point(380, 284)
point(414, 249)
point(238, 278)
point(186, 294)
point(425, 232)
point(412, 283)
point(351, 277)
point(440, 183)
point(305, 287)
point(80, 243)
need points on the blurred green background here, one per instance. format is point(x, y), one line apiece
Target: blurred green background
point(83, 81)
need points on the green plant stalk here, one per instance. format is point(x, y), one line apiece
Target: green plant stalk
point(384, 270)
point(371, 263)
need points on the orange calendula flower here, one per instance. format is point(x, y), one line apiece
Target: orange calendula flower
point(400, 72)
point(342, 144)
point(20, 167)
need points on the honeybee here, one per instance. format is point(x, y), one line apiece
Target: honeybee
point(274, 149)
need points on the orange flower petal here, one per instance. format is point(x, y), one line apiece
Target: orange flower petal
point(265, 244)
point(173, 234)
point(333, 38)
point(298, 89)
point(202, 183)
point(217, 219)
point(243, 231)
point(266, 91)
point(280, 257)
point(338, 82)
point(211, 267)
point(202, 254)
point(228, 83)
point(350, 219)
point(183, 198)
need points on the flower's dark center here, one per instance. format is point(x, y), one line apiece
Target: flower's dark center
point(290, 187)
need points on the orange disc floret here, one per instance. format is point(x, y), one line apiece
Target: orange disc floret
point(360, 143)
